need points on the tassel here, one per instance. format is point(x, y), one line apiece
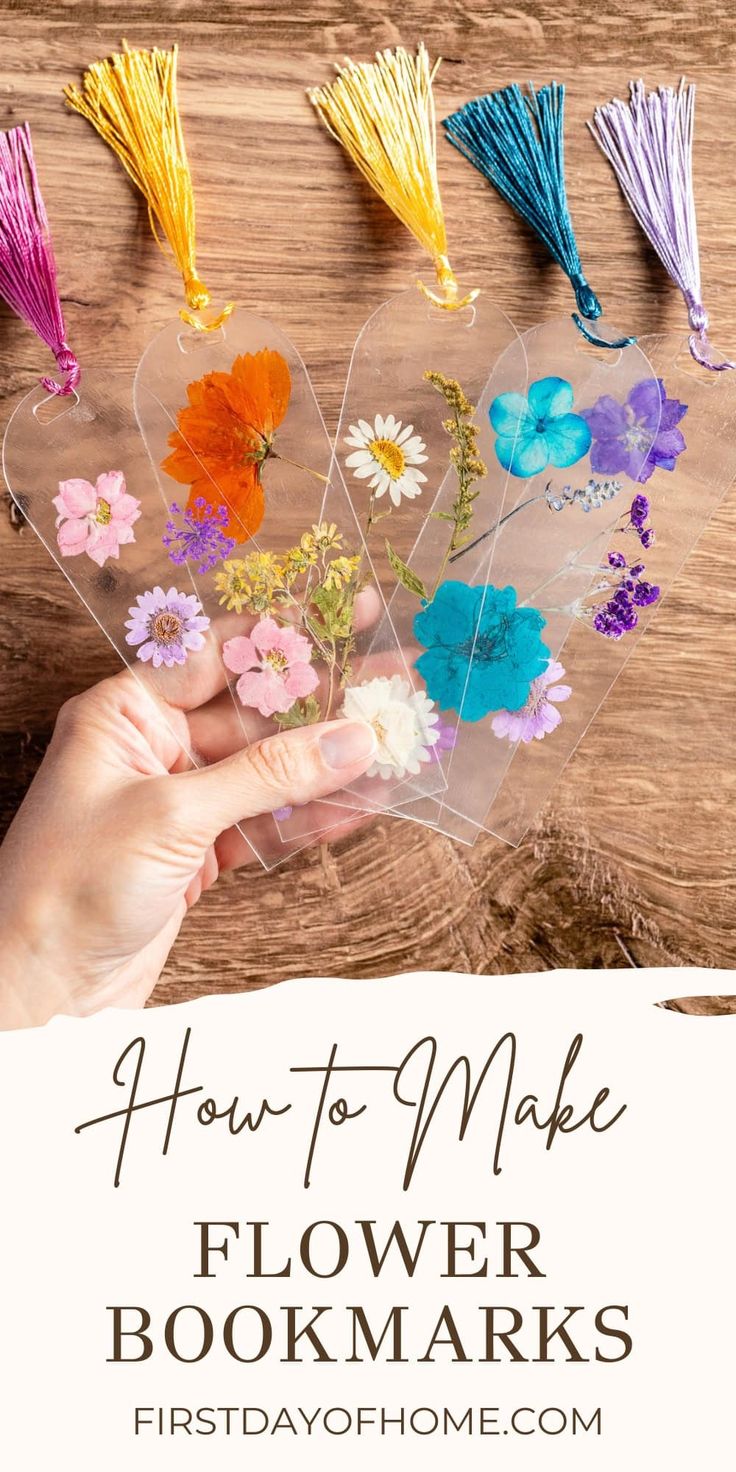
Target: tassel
point(649, 144)
point(131, 100)
point(27, 265)
point(383, 114)
point(517, 143)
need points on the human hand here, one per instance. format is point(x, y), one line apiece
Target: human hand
point(119, 835)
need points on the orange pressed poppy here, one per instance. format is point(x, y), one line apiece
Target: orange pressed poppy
point(225, 435)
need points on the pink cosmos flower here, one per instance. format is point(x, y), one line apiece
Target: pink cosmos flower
point(96, 519)
point(274, 665)
point(539, 715)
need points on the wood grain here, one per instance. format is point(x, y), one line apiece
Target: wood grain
point(633, 861)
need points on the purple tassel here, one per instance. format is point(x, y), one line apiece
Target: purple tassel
point(649, 143)
point(27, 265)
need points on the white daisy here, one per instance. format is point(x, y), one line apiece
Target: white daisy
point(402, 719)
point(389, 455)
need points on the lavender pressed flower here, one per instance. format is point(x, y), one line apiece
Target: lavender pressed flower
point(202, 538)
point(589, 497)
point(166, 626)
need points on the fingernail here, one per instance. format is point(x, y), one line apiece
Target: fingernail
point(347, 743)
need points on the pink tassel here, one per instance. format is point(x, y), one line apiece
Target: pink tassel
point(27, 265)
point(649, 144)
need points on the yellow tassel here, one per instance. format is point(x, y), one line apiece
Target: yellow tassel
point(383, 114)
point(131, 100)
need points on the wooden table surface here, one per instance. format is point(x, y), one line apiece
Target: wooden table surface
point(632, 862)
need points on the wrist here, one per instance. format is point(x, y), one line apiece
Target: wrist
point(35, 983)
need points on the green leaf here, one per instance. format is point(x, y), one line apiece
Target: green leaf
point(406, 577)
point(302, 713)
point(336, 607)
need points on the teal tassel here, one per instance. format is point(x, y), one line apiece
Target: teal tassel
point(517, 143)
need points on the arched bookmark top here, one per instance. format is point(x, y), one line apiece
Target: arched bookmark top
point(27, 264)
point(382, 112)
point(130, 99)
point(649, 144)
point(517, 142)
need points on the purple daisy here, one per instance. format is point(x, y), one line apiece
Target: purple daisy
point(201, 539)
point(166, 627)
point(645, 426)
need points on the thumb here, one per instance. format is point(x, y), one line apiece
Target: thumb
point(293, 767)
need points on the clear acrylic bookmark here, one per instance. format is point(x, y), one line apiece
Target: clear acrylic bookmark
point(689, 469)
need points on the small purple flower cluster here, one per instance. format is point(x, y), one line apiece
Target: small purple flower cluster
point(202, 538)
point(618, 615)
point(638, 514)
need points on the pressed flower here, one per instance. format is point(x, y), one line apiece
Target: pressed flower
point(403, 720)
point(226, 433)
point(539, 429)
point(274, 664)
point(539, 714)
point(249, 582)
point(639, 436)
point(446, 740)
point(202, 538)
point(482, 652)
point(166, 627)
point(339, 572)
point(282, 814)
point(623, 589)
point(232, 584)
point(96, 519)
point(322, 538)
point(387, 456)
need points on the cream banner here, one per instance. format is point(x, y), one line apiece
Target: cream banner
point(482, 1219)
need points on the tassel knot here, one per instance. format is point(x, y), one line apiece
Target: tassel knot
point(587, 302)
point(67, 363)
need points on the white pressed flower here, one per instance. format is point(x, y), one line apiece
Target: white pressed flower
point(403, 720)
point(389, 455)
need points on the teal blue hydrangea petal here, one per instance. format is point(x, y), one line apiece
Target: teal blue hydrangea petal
point(549, 397)
point(568, 439)
point(529, 455)
point(509, 413)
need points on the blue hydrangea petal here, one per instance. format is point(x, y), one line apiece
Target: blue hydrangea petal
point(530, 455)
point(568, 439)
point(510, 412)
point(550, 397)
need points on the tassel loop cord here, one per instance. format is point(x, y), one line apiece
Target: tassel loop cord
point(698, 341)
point(67, 363)
point(449, 301)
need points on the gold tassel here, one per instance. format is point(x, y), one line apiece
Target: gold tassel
point(383, 114)
point(131, 100)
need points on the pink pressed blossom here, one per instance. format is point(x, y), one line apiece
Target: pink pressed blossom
point(274, 665)
point(539, 715)
point(96, 519)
